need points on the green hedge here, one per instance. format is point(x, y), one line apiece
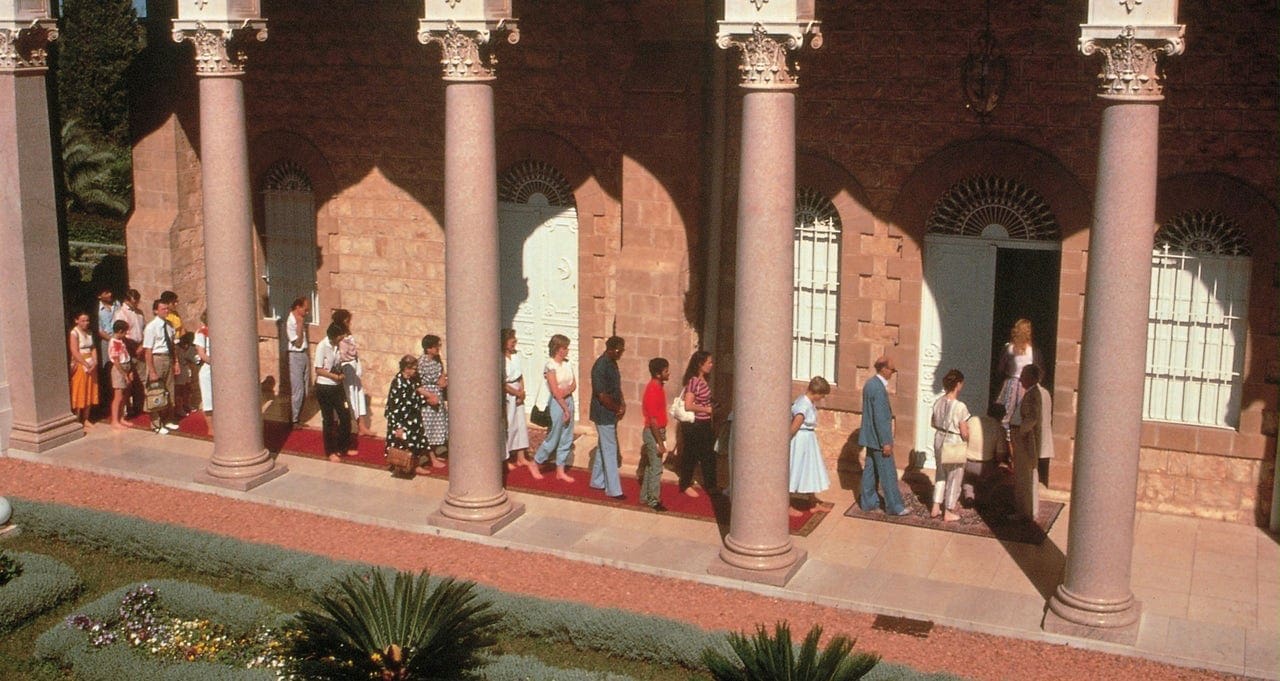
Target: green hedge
point(614, 632)
point(42, 585)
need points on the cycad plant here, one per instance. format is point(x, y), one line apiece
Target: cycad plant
point(774, 658)
point(405, 630)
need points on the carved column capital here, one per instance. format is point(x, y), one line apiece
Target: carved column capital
point(467, 54)
point(1131, 65)
point(220, 51)
point(767, 60)
point(26, 48)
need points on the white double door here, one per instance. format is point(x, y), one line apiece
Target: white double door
point(538, 246)
point(955, 326)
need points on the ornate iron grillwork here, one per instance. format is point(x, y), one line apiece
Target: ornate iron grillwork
point(976, 205)
point(1205, 232)
point(526, 178)
point(287, 176)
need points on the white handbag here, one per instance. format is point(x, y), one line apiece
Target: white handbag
point(678, 412)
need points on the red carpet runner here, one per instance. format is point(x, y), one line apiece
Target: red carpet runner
point(309, 442)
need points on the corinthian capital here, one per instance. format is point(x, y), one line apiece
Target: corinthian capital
point(220, 51)
point(25, 48)
point(767, 60)
point(1131, 65)
point(467, 55)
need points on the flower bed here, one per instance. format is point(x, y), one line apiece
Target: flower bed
point(39, 583)
point(616, 633)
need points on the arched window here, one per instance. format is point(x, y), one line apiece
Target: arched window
point(289, 239)
point(816, 287)
point(1196, 322)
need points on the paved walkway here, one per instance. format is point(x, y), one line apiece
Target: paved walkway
point(1210, 590)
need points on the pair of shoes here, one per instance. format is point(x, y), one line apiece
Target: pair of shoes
point(619, 497)
point(657, 507)
point(171, 426)
point(161, 430)
point(901, 513)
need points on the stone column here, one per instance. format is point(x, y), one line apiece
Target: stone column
point(758, 547)
point(477, 501)
point(1095, 599)
point(34, 332)
point(240, 460)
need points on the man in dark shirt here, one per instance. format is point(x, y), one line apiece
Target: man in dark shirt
point(607, 407)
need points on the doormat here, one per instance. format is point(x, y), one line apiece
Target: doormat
point(990, 516)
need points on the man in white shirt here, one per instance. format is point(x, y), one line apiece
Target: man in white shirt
point(157, 352)
point(107, 308)
point(296, 332)
point(331, 395)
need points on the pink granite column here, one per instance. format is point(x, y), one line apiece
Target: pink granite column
point(32, 326)
point(240, 460)
point(1095, 600)
point(476, 501)
point(758, 547)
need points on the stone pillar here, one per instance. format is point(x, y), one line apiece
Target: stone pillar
point(758, 547)
point(477, 501)
point(240, 460)
point(33, 330)
point(1095, 600)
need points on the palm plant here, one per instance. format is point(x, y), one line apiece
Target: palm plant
point(405, 630)
point(774, 658)
point(96, 177)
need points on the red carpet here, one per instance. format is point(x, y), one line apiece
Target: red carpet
point(309, 442)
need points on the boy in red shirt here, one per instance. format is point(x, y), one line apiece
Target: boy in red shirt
point(654, 409)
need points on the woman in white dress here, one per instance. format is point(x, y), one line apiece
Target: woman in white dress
point(1018, 353)
point(951, 423)
point(514, 395)
point(352, 373)
point(808, 470)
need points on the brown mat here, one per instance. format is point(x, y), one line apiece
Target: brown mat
point(988, 518)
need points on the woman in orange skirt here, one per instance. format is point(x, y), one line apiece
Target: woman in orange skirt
point(84, 368)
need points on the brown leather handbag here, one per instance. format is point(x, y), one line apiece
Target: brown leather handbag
point(402, 462)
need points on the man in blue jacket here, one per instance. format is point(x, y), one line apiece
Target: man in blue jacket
point(877, 436)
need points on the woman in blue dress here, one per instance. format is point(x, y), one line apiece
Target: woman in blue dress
point(808, 470)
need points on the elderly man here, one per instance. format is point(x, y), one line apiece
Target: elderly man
point(877, 436)
point(1032, 441)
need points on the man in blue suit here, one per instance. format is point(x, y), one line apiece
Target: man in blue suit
point(877, 436)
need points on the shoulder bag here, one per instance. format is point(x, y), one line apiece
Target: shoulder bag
point(678, 412)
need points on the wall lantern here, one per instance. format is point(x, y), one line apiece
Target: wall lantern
point(985, 73)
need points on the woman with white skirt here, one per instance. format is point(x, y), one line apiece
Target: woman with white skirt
point(808, 470)
point(513, 398)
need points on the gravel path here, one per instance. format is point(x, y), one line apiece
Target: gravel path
point(976, 656)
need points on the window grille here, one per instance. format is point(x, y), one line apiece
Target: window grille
point(977, 206)
point(289, 239)
point(816, 287)
point(527, 178)
point(1196, 322)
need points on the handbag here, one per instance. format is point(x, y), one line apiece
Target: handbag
point(955, 453)
point(540, 416)
point(402, 462)
point(678, 412)
point(157, 396)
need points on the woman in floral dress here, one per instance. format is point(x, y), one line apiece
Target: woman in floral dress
point(435, 415)
point(406, 399)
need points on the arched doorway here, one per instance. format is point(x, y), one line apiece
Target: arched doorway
point(992, 255)
point(538, 244)
point(289, 240)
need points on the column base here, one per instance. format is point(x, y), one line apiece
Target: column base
point(1111, 622)
point(484, 526)
point(773, 576)
point(10, 532)
point(45, 436)
point(243, 483)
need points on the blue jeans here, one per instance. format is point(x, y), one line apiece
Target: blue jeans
point(604, 468)
point(880, 469)
point(559, 437)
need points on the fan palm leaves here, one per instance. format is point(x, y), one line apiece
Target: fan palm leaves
point(773, 658)
point(96, 177)
point(370, 629)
